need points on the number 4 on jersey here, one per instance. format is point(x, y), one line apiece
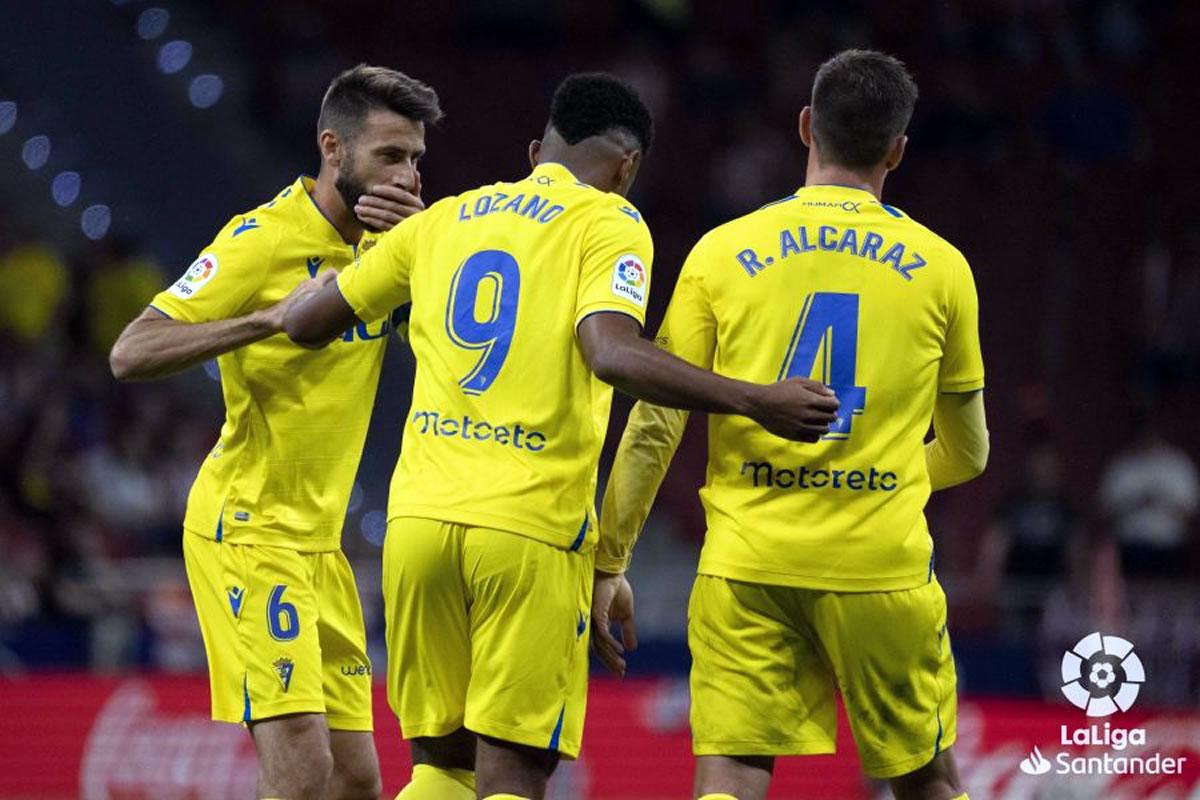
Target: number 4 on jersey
point(828, 326)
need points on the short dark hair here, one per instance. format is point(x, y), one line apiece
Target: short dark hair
point(353, 94)
point(861, 100)
point(595, 103)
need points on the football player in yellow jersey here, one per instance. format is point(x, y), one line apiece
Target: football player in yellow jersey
point(817, 567)
point(527, 303)
point(277, 603)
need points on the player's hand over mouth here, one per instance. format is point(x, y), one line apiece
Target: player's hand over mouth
point(386, 205)
point(799, 409)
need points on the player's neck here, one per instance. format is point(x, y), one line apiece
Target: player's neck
point(330, 202)
point(871, 181)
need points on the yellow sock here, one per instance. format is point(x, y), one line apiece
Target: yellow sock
point(434, 783)
point(718, 796)
point(962, 796)
point(505, 797)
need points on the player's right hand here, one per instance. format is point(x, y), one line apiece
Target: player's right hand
point(612, 601)
point(386, 205)
point(799, 409)
point(276, 313)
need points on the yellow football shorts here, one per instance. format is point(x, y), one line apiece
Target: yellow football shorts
point(283, 631)
point(487, 630)
point(766, 660)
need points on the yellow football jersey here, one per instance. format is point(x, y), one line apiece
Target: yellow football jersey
point(829, 284)
point(507, 420)
point(295, 419)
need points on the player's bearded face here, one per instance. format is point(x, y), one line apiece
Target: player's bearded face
point(351, 185)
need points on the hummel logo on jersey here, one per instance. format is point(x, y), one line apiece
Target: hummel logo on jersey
point(283, 668)
point(247, 225)
point(314, 263)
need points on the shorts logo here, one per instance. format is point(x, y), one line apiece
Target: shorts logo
point(629, 279)
point(283, 668)
point(199, 273)
point(1102, 675)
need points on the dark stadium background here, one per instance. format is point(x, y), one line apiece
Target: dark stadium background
point(1054, 143)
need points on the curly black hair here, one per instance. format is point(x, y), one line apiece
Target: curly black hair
point(594, 103)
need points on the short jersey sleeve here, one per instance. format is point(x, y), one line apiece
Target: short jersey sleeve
point(379, 281)
point(615, 273)
point(689, 329)
point(224, 281)
point(962, 359)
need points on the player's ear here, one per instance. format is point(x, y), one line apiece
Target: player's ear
point(896, 154)
point(535, 148)
point(331, 150)
point(627, 169)
point(806, 126)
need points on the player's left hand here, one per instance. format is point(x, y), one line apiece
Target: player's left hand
point(386, 204)
point(612, 601)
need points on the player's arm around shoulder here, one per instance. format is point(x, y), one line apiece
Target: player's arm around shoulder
point(210, 310)
point(609, 332)
point(375, 286)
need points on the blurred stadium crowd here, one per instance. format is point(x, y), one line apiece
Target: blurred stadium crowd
point(1049, 144)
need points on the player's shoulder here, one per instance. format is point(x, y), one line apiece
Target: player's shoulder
point(266, 223)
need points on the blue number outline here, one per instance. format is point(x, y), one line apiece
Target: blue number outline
point(829, 319)
point(502, 269)
point(276, 606)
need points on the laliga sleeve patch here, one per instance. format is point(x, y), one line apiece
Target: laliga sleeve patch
point(629, 279)
point(199, 273)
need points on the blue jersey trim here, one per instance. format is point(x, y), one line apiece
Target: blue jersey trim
point(220, 522)
point(929, 577)
point(159, 310)
point(575, 545)
point(246, 695)
point(895, 212)
point(620, 311)
point(557, 729)
point(937, 743)
point(777, 202)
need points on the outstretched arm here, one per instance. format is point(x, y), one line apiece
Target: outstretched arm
point(799, 409)
point(317, 320)
point(155, 345)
